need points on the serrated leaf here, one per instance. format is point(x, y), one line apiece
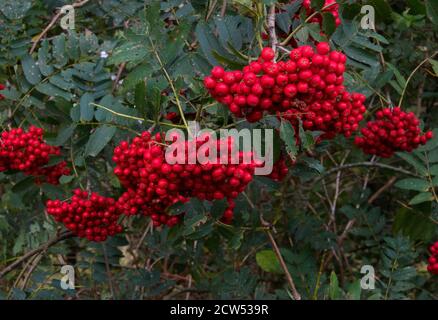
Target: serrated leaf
point(421, 197)
point(432, 10)
point(328, 23)
point(218, 208)
point(354, 290)
point(334, 290)
point(434, 64)
point(15, 9)
point(87, 110)
point(414, 223)
point(433, 170)
point(53, 91)
point(413, 184)
point(287, 134)
point(99, 139)
point(31, 70)
point(133, 52)
point(414, 161)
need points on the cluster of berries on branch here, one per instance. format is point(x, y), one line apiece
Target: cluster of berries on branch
point(308, 86)
point(153, 185)
point(94, 217)
point(26, 151)
point(433, 259)
point(393, 130)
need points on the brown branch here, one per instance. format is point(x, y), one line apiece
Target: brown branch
point(382, 189)
point(118, 76)
point(224, 8)
point(52, 23)
point(33, 252)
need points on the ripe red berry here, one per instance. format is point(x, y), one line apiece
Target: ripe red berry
point(323, 48)
point(267, 54)
point(217, 72)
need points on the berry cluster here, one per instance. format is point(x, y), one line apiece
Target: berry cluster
point(433, 259)
point(309, 85)
point(88, 216)
point(2, 87)
point(27, 152)
point(393, 130)
point(333, 9)
point(153, 185)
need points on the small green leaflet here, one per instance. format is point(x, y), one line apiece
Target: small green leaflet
point(287, 134)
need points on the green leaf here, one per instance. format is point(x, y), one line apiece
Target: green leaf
point(433, 170)
point(132, 52)
point(138, 74)
point(382, 8)
point(267, 260)
point(306, 138)
point(434, 64)
point(417, 7)
point(140, 98)
point(414, 161)
point(400, 78)
point(432, 10)
point(414, 223)
point(66, 179)
point(287, 134)
point(413, 184)
point(421, 197)
point(334, 290)
point(31, 70)
point(314, 164)
point(218, 208)
point(15, 9)
point(87, 110)
point(354, 290)
point(317, 4)
point(99, 139)
point(328, 23)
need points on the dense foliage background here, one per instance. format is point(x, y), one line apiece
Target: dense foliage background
point(336, 211)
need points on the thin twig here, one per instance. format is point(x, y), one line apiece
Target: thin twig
point(118, 76)
point(289, 37)
point(411, 75)
point(33, 252)
point(224, 8)
point(108, 272)
point(365, 164)
point(52, 23)
point(276, 249)
point(382, 189)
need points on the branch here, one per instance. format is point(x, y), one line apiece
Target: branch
point(33, 252)
point(268, 228)
point(365, 164)
point(411, 75)
point(271, 28)
point(52, 23)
